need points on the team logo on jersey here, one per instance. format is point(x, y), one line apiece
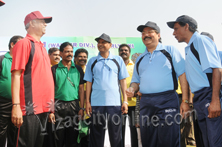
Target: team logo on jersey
point(170, 110)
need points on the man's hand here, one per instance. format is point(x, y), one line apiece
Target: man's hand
point(184, 108)
point(214, 109)
point(17, 118)
point(81, 113)
point(52, 118)
point(88, 109)
point(130, 92)
point(124, 108)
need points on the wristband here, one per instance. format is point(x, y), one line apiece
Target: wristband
point(16, 104)
point(126, 102)
point(185, 101)
point(82, 109)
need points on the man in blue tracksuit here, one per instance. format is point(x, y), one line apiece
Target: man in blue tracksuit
point(105, 74)
point(202, 67)
point(155, 76)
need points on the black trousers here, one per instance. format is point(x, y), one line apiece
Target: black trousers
point(133, 132)
point(66, 114)
point(33, 130)
point(166, 131)
point(209, 128)
point(102, 118)
point(7, 129)
point(50, 139)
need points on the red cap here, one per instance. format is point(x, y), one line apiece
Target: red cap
point(1, 3)
point(36, 15)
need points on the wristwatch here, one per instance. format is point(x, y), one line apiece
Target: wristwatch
point(82, 109)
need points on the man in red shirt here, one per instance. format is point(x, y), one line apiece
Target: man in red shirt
point(32, 83)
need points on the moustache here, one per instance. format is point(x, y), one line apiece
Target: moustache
point(82, 60)
point(146, 38)
point(57, 58)
point(123, 54)
point(68, 56)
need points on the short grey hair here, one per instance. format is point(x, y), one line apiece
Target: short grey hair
point(28, 24)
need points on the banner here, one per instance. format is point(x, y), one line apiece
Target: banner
point(88, 43)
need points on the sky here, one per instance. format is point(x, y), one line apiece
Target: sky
point(117, 18)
